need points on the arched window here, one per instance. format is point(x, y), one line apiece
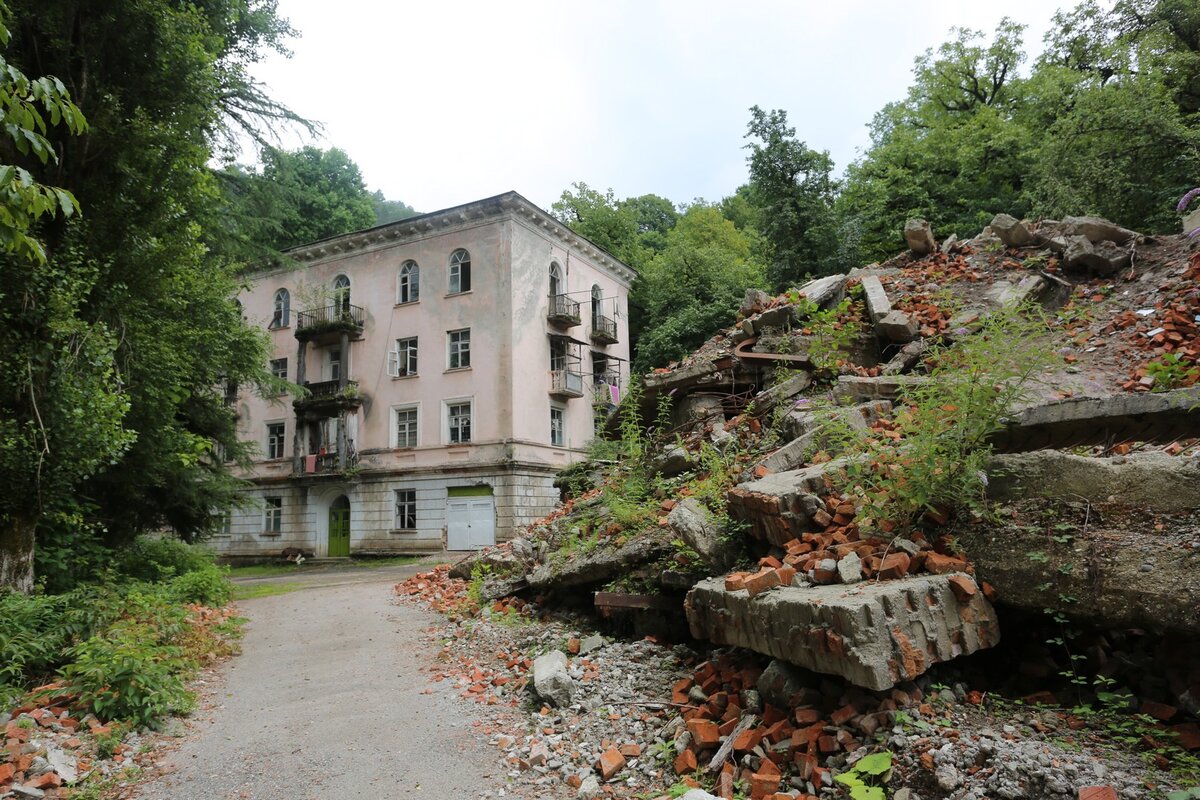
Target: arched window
point(597, 296)
point(409, 289)
point(460, 271)
point(283, 309)
point(341, 293)
point(556, 281)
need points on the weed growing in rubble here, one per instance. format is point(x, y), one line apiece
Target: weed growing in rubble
point(867, 779)
point(934, 453)
point(1172, 371)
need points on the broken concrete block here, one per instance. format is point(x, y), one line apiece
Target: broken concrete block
point(785, 685)
point(551, 680)
point(873, 634)
point(693, 523)
point(906, 358)
point(780, 507)
point(1097, 230)
point(754, 302)
point(825, 291)
point(889, 387)
point(1102, 259)
point(698, 409)
point(919, 237)
point(1146, 480)
point(1011, 231)
point(849, 568)
point(878, 305)
point(897, 326)
point(766, 401)
point(672, 461)
point(774, 319)
point(1029, 290)
point(601, 564)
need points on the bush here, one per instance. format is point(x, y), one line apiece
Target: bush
point(155, 559)
point(207, 587)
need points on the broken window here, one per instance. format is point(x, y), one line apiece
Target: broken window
point(406, 509)
point(460, 348)
point(406, 426)
point(557, 433)
point(459, 422)
point(275, 439)
point(402, 361)
point(335, 364)
point(282, 313)
point(556, 281)
point(409, 288)
point(279, 368)
point(341, 293)
point(273, 516)
point(460, 272)
point(558, 353)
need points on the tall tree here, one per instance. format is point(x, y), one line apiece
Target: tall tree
point(601, 218)
point(390, 210)
point(793, 188)
point(131, 326)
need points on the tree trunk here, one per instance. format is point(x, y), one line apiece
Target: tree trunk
point(16, 553)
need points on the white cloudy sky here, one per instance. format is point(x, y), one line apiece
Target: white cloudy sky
point(441, 103)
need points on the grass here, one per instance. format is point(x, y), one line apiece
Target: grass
point(258, 590)
point(273, 570)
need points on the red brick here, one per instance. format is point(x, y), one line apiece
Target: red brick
point(47, 780)
point(573, 646)
point(747, 740)
point(963, 587)
point(806, 716)
point(762, 786)
point(735, 581)
point(785, 574)
point(6, 772)
point(1097, 793)
point(1189, 735)
point(760, 582)
point(895, 565)
point(843, 715)
point(1160, 711)
point(685, 763)
point(939, 564)
point(610, 763)
point(704, 733)
point(725, 785)
point(827, 744)
point(631, 750)
point(768, 768)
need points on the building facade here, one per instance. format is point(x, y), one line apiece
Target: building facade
point(453, 361)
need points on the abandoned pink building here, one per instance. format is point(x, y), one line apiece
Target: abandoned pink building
point(454, 362)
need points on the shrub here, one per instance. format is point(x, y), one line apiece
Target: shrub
point(156, 559)
point(207, 587)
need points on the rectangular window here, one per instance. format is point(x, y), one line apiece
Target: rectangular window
point(406, 357)
point(459, 417)
point(279, 368)
point(558, 353)
point(406, 426)
point(460, 348)
point(460, 277)
point(557, 434)
point(406, 509)
point(335, 364)
point(275, 439)
point(600, 368)
point(273, 517)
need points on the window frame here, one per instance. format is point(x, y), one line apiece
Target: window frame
point(341, 293)
point(408, 283)
point(409, 513)
point(561, 413)
point(272, 441)
point(459, 278)
point(415, 432)
point(275, 364)
point(557, 283)
point(407, 362)
point(450, 406)
point(335, 364)
point(281, 312)
point(273, 515)
point(458, 353)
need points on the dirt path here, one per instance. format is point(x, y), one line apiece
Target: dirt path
point(325, 701)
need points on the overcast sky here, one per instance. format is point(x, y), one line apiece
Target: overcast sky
point(441, 103)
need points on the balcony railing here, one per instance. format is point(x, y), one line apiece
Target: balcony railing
point(329, 394)
point(606, 389)
point(604, 329)
point(333, 318)
point(326, 463)
point(563, 311)
point(566, 383)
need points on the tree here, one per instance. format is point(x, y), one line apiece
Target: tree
point(602, 219)
point(654, 216)
point(115, 349)
point(793, 189)
point(693, 287)
point(390, 210)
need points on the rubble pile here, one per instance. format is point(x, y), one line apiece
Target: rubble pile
point(736, 514)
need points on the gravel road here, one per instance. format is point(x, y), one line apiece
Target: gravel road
point(325, 702)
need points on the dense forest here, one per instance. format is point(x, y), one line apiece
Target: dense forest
point(123, 242)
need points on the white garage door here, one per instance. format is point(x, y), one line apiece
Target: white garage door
point(470, 523)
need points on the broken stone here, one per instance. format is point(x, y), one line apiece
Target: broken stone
point(779, 506)
point(693, 523)
point(850, 568)
point(1011, 231)
point(1102, 259)
point(589, 789)
point(949, 242)
point(754, 302)
point(591, 643)
point(774, 319)
point(698, 409)
point(919, 237)
point(1149, 479)
point(600, 565)
point(878, 305)
point(889, 387)
point(906, 358)
point(825, 291)
point(1096, 230)
point(873, 634)
point(1029, 290)
point(897, 326)
point(672, 461)
point(781, 393)
point(785, 685)
point(1192, 221)
point(551, 680)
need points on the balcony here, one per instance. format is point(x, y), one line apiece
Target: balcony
point(328, 398)
point(606, 389)
point(565, 383)
point(328, 323)
point(329, 463)
point(564, 311)
point(604, 329)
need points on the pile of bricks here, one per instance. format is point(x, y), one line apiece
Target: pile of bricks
point(1172, 329)
point(444, 594)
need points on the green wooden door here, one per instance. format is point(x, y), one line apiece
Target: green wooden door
point(339, 528)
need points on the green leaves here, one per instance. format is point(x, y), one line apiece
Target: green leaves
point(868, 777)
